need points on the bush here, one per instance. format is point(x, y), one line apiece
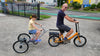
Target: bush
point(87, 8)
point(98, 9)
point(76, 5)
point(70, 5)
point(93, 6)
point(98, 5)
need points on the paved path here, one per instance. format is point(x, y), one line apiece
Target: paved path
point(73, 14)
point(11, 26)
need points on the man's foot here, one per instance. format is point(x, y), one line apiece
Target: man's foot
point(38, 40)
point(66, 40)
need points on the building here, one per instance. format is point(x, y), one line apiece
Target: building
point(45, 1)
point(85, 1)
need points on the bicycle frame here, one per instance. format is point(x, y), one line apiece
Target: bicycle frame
point(44, 31)
point(76, 34)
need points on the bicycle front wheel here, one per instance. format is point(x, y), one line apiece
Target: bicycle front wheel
point(78, 43)
point(24, 36)
point(20, 47)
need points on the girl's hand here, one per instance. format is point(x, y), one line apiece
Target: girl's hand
point(40, 29)
point(40, 25)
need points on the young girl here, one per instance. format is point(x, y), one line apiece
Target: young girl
point(33, 29)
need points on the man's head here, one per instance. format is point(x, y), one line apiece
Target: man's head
point(64, 7)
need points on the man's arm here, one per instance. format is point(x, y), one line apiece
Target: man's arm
point(70, 19)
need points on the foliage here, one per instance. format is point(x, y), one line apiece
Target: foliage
point(60, 2)
point(76, 5)
point(86, 8)
point(93, 6)
point(98, 5)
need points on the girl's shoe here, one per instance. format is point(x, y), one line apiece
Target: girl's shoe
point(38, 40)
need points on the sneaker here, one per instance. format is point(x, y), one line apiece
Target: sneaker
point(66, 40)
point(31, 40)
point(38, 40)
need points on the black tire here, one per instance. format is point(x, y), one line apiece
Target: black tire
point(22, 47)
point(53, 38)
point(24, 36)
point(80, 44)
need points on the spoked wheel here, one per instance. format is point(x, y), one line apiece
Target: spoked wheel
point(20, 47)
point(80, 43)
point(53, 41)
point(24, 36)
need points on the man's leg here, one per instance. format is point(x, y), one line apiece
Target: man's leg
point(69, 33)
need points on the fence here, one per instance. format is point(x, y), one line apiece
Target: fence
point(20, 9)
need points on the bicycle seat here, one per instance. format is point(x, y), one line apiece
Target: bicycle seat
point(53, 29)
point(56, 34)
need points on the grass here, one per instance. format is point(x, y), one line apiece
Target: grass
point(28, 15)
point(0, 11)
point(58, 7)
point(42, 8)
point(89, 11)
point(44, 17)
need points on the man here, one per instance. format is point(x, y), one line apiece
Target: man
point(60, 22)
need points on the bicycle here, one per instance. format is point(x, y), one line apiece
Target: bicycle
point(24, 39)
point(54, 38)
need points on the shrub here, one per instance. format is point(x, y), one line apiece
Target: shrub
point(70, 5)
point(87, 8)
point(98, 5)
point(76, 5)
point(93, 6)
point(98, 9)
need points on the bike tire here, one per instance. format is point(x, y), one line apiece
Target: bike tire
point(53, 37)
point(85, 40)
point(27, 37)
point(20, 47)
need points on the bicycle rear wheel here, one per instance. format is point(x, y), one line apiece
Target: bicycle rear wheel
point(78, 43)
point(20, 47)
point(24, 36)
point(52, 42)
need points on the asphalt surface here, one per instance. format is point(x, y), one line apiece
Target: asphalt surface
point(12, 26)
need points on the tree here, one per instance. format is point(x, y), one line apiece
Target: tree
point(60, 2)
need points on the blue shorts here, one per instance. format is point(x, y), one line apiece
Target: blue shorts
point(32, 31)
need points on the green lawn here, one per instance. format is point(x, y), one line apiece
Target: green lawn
point(89, 11)
point(41, 8)
point(44, 17)
point(0, 11)
point(28, 15)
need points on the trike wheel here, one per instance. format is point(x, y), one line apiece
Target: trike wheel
point(24, 36)
point(20, 47)
point(78, 43)
point(52, 40)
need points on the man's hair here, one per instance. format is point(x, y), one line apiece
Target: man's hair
point(33, 16)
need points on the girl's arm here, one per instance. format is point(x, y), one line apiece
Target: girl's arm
point(35, 27)
point(38, 23)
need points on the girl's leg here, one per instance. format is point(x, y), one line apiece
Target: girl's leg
point(37, 34)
